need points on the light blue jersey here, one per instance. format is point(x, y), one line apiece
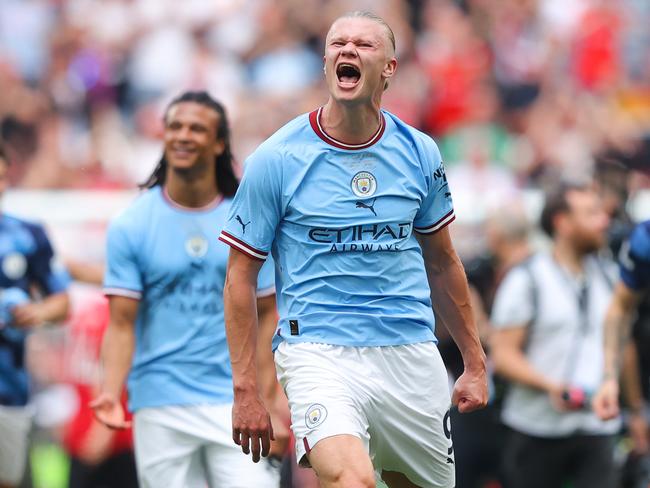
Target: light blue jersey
point(339, 221)
point(169, 258)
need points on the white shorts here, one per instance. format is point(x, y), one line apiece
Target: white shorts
point(192, 446)
point(395, 399)
point(15, 426)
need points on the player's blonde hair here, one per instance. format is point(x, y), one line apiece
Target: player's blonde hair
point(364, 14)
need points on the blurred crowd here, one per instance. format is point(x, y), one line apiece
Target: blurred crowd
point(519, 94)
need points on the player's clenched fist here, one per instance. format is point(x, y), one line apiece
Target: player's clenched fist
point(470, 391)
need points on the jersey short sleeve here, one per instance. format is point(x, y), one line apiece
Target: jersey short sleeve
point(44, 270)
point(436, 211)
point(634, 258)
point(513, 305)
point(257, 207)
point(122, 276)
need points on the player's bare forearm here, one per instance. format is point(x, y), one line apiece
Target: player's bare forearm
point(266, 313)
point(271, 392)
point(451, 301)
point(451, 298)
point(240, 308)
point(631, 379)
point(618, 322)
point(251, 424)
point(118, 344)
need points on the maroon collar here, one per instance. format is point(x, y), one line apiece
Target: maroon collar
point(314, 120)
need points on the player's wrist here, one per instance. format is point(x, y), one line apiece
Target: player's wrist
point(638, 409)
point(110, 393)
point(475, 363)
point(245, 388)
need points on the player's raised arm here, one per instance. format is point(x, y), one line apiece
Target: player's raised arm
point(251, 423)
point(117, 353)
point(451, 302)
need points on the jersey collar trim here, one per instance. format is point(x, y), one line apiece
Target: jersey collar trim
point(210, 206)
point(314, 120)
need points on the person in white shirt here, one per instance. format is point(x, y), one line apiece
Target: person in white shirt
point(549, 314)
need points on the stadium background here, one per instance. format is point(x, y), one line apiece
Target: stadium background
point(519, 94)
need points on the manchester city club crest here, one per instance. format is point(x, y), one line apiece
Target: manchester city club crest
point(316, 415)
point(14, 266)
point(364, 184)
point(196, 246)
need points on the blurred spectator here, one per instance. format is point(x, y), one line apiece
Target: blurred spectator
point(630, 293)
point(546, 84)
point(99, 456)
point(549, 314)
point(478, 457)
point(33, 292)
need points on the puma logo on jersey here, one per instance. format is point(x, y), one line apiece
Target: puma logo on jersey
point(370, 207)
point(241, 222)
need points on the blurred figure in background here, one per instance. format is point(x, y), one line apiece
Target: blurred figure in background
point(631, 305)
point(478, 456)
point(631, 289)
point(622, 363)
point(164, 278)
point(549, 314)
point(99, 456)
point(33, 292)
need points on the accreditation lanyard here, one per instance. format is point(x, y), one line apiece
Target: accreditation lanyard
point(581, 295)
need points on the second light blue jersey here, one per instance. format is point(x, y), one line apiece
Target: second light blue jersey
point(168, 257)
point(339, 220)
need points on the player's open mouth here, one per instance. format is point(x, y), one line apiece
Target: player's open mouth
point(348, 74)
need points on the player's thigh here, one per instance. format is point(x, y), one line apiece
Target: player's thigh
point(410, 430)
point(15, 426)
point(324, 395)
point(342, 461)
point(397, 480)
point(164, 454)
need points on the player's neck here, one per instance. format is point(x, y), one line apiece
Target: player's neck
point(191, 192)
point(352, 124)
